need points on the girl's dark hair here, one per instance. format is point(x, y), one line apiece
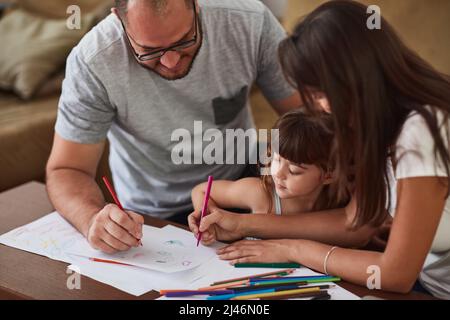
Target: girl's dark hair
point(305, 139)
point(372, 82)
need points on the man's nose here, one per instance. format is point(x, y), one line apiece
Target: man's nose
point(170, 59)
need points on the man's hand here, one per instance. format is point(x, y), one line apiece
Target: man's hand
point(219, 225)
point(113, 230)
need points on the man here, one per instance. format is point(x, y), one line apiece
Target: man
point(152, 67)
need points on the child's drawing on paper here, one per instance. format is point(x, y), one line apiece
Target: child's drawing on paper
point(164, 257)
point(186, 263)
point(174, 243)
point(138, 255)
point(165, 250)
point(50, 236)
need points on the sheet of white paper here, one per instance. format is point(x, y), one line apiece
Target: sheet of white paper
point(51, 235)
point(162, 250)
point(48, 236)
point(110, 274)
point(133, 280)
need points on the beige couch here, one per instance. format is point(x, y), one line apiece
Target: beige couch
point(26, 127)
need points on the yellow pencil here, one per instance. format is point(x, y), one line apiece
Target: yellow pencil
point(276, 294)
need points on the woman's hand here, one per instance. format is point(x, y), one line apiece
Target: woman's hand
point(219, 225)
point(258, 251)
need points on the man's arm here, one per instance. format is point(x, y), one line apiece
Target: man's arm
point(72, 189)
point(285, 105)
point(270, 77)
point(71, 184)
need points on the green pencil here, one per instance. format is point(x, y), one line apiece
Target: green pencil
point(267, 265)
point(280, 281)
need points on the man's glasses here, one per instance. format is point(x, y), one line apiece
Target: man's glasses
point(160, 52)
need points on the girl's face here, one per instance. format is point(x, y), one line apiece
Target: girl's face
point(293, 180)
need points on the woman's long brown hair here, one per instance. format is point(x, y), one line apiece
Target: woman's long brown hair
point(373, 82)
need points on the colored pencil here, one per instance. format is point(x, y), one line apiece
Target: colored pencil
point(116, 199)
point(205, 206)
point(267, 265)
point(254, 291)
point(279, 287)
point(243, 281)
point(261, 275)
point(269, 285)
point(299, 278)
point(234, 295)
point(299, 295)
point(286, 288)
point(197, 293)
point(275, 294)
point(226, 285)
point(326, 296)
point(108, 261)
point(164, 291)
point(318, 280)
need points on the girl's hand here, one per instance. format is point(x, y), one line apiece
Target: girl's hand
point(258, 251)
point(194, 217)
point(219, 225)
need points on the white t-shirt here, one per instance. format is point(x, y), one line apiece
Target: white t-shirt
point(416, 158)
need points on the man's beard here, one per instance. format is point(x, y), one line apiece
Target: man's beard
point(180, 76)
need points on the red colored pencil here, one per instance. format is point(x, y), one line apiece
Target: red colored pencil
point(205, 206)
point(108, 261)
point(116, 199)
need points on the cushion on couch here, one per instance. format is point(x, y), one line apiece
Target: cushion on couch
point(58, 8)
point(37, 48)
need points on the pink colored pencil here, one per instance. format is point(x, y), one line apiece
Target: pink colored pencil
point(205, 206)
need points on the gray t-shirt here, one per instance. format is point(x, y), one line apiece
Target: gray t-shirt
point(107, 94)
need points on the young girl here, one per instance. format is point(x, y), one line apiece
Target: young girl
point(300, 173)
point(300, 177)
point(391, 111)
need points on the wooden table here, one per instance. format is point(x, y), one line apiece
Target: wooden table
point(24, 275)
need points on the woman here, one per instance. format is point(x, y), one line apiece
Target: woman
point(391, 114)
